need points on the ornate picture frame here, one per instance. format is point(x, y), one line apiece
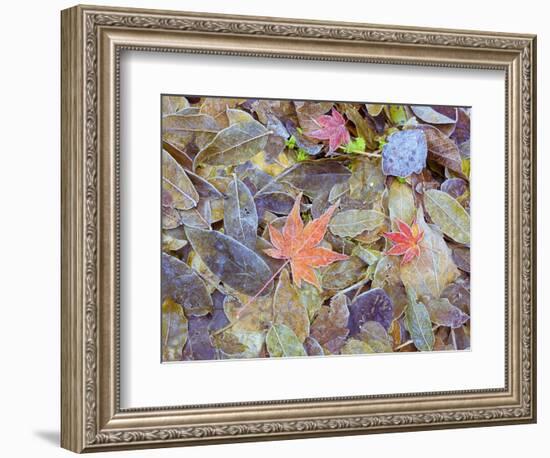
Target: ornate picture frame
point(93, 39)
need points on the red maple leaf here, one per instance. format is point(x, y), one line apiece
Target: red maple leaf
point(406, 241)
point(299, 245)
point(333, 129)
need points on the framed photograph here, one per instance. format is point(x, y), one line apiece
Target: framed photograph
point(279, 228)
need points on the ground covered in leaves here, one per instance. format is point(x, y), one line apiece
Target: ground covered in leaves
point(302, 228)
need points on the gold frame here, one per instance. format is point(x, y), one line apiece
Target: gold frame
point(92, 40)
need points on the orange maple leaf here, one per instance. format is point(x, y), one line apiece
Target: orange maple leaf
point(406, 241)
point(298, 244)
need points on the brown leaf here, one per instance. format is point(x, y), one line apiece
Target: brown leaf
point(330, 325)
point(442, 149)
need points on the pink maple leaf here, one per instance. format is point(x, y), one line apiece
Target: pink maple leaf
point(333, 129)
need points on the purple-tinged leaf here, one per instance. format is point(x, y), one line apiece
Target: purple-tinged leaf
point(405, 153)
point(373, 305)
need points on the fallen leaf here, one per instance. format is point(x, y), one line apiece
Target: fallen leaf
point(330, 326)
point(401, 202)
point(442, 149)
point(406, 241)
point(182, 129)
point(287, 308)
point(234, 145)
point(376, 337)
point(311, 177)
point(279, 203)
point(172, 104)
point(430, 115)
point(367, 181)
point(405, 153)
point(396, 113)
point(374, 109)
point(417, 321)
point(356, 347)
point(231, 261)
point(178, 190)
point(434, 269)
point(298, 244)
point(373, 305)
point(332, 128)
point(310, 298)
point(312, 347)
point(455, 187)
point(282, 342)
point(184, 286)
point(256, 317)
point(309, 112)
point(174, 330)
point(199, 346)
point(364, 130)
point(350, 223)
point(443, 313)
point(240, 217)
point(448, 214)
point(342, 274)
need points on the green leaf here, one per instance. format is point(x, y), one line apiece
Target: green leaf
point(396, 113)
point(174, 330)
point(350, 223)
point(234, 145)
point(356, 145)
point(448, 214)
point(282, 342)
point(418, 323)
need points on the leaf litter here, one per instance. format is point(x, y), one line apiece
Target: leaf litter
point(306, 228)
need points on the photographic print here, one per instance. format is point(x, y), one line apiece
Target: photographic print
point(295, 228)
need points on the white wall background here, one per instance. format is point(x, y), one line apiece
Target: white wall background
point(29, 230)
